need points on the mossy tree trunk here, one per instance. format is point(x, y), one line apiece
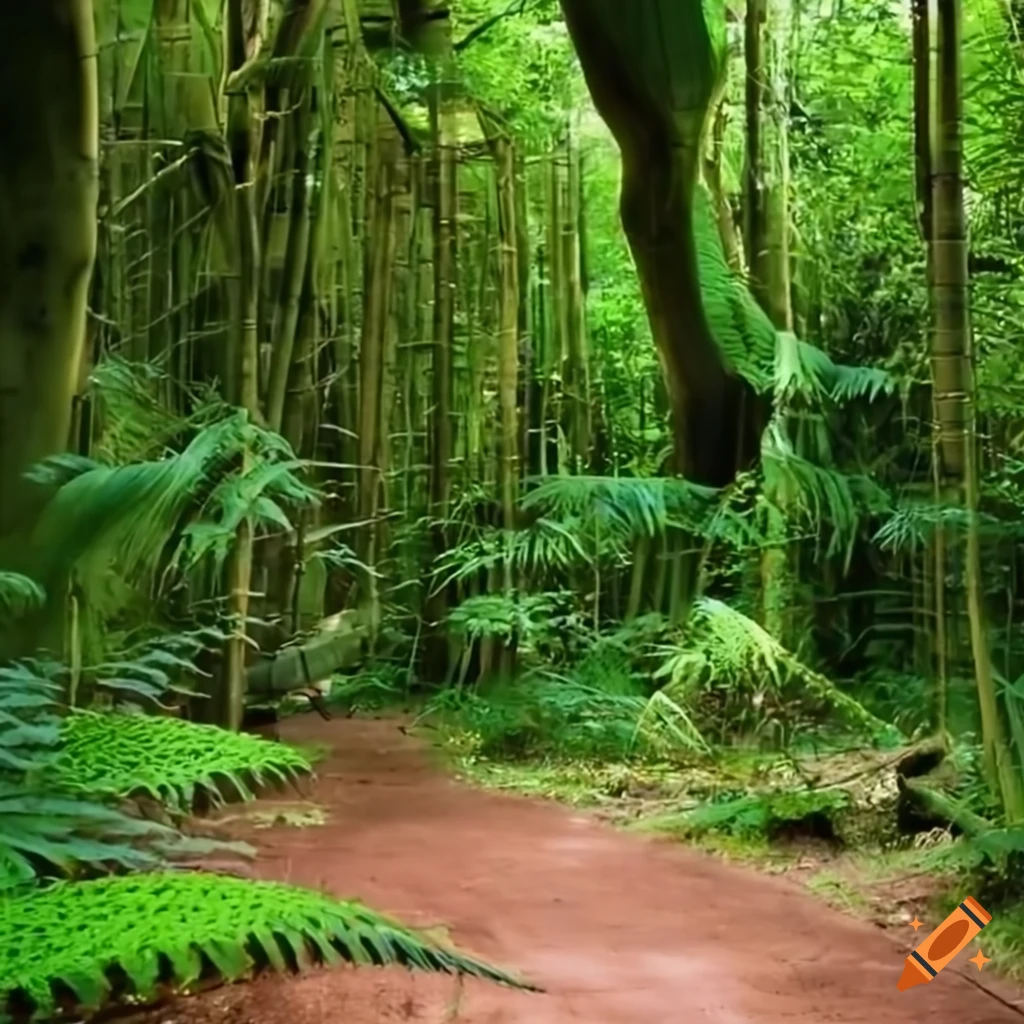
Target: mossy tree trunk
point(49, 126)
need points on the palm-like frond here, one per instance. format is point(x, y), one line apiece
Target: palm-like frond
point(135, 424)
point(41, 830)
point(47, 827)
point(191, 501)
point(798, 493)
point(636, 506)
point(805, 372)
point(158, 929)
point(912, 524)
point(740, 327)
point(18, 594)
point(544, 545)
point(29, 719)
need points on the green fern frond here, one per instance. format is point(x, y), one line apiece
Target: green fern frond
point(18, 595)
point(803, 371)
point(29, 721)
point(46, 827)
point(130, 514)
point(870, 382)
point(171, 929)
point(722, 647)
point(638, 506)
point(810, 495)
point(912, 524)
point(42, 830)
point(135, 424)
point(116, 755)
point(740, 327)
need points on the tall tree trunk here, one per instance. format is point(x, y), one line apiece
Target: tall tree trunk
point(243, 358)
point(577, 369)
point(754, 222)
point(508, 339)
point(49, 127)
point(769, 227)
point(731, 243)
point(923, 145)
point(444, 178)
point(953, 381)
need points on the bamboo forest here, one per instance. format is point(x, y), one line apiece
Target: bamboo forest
point(511, 511)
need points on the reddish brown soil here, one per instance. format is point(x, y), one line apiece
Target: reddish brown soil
point(618, 929)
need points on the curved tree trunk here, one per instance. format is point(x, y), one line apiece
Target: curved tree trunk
point(48, 192)
point(653, 71)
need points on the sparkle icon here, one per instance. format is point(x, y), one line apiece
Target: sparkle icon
point(980, 960)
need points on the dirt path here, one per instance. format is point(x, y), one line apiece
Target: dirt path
point(618, 929)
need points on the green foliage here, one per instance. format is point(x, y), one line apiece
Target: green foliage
point(136, 933)
point(42, 832)
point(803, 497)
point(739, 325)
point(523, 65)
point(119, 755)
point(184, 507)
point(47, 827)
point(599, 711)
point(740, 676)
point(629, 506)
point(543, 623)
point(755, 815)
point(29, 722)
point(18, 594)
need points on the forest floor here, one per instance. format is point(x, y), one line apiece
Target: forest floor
point(617, 928)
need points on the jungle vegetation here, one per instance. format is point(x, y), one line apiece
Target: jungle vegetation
point(617, 384)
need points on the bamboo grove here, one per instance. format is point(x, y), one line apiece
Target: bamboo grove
point(306, 214)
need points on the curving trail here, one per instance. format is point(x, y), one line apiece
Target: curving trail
point(618, 929)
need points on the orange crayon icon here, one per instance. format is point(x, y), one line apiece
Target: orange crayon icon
point(942, 946)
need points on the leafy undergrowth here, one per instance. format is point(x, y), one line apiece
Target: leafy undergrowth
point(171, 760)
point(615, 785)
point(82, 945)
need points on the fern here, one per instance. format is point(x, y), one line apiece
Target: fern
point(47, 827)
point(118, 755)
point(135, 424)
point(806, 373)
point(624, 509)
point(743, 332)
point(816, 495)
point(44, 832)
point(138, 933)
point(18, 595)
point(29, 722)
point(723, 649)
point(914, 523)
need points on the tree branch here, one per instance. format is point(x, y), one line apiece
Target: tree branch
point(516, 7)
